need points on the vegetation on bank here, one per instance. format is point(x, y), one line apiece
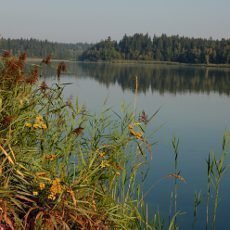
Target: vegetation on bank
point(60, 167)
point(161, 48)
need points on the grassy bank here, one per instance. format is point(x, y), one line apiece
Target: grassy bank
point(61, 167)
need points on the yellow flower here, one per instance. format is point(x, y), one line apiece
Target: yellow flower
point(52, 197)
point(102, 154)
point(104, 164)
point(130, 127)
point(118, 173)
point(35, 193)
point(36, 125)
point(39, 119)
point(56, 187)
point(42, 186)
point(28, 124)
point(138, 135)
point(44, 126)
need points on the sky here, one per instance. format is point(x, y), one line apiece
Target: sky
point(74, 21)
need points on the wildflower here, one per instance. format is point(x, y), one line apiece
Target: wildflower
point(36, 125)
point(39, 123)
point(35, 193)
point(143, 117)
point(56, 188)
point(130, 127)
point(39, 119)
point(42, 186)
point(28, 124)
point(102, 154)
point(52, 197)
point(104, 164)
point(138, 135)
point(118, 173)
point(43, 126)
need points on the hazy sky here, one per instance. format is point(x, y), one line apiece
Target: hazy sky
point(93, 20)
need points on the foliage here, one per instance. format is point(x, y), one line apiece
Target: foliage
point(37, 48)
point(60, 167)
point(136, 47)
point(105, 50)
point(162, 48)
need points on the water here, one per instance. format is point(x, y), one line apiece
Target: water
point(194, 107)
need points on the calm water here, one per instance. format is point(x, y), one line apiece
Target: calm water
point(194, 106)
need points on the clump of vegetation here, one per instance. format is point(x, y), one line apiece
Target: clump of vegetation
point(60, 167)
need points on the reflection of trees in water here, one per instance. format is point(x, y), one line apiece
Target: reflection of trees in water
point(162, 78)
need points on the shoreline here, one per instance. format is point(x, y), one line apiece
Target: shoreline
point(132, 62)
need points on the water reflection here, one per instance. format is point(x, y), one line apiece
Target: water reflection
point(157, 78)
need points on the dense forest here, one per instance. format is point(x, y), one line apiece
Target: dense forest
point(38, 49)
point(135, 47)
point(161, 48)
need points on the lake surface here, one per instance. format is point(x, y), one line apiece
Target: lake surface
point(194, 107)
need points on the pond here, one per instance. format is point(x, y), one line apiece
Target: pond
point(194, 105)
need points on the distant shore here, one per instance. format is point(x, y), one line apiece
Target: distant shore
point(211, 65)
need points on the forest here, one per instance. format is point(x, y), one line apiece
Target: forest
point(41, 48)
point(139, 47)
point(161, 48)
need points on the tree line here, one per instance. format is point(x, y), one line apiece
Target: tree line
point(41, 48)
point(136, 47)
point(161, 48)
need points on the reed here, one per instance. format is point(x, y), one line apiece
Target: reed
point(197, 202)
point(61, 167)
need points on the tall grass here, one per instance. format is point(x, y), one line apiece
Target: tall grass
point(61, 167)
